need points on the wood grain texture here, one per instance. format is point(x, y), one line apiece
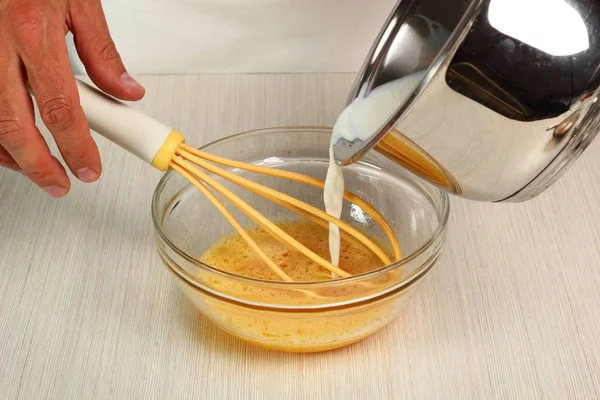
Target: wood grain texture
point(88, 311)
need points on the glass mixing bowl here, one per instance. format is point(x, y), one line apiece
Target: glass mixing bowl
point(309, 316)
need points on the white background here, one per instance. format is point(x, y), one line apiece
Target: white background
point(237, 36)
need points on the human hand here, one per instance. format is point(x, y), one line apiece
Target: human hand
point(33, 49)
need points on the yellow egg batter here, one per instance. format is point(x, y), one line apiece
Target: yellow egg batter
point(232, 254)
point(285, 330)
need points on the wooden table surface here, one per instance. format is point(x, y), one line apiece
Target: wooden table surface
point(87, 310)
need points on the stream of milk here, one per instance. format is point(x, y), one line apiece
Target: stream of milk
point(360, 120)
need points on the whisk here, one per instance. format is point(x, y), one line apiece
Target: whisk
point(165, 148)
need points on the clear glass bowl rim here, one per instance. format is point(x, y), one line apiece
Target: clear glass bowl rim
point(435, 237)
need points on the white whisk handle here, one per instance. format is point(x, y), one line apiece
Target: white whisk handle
point(141, 135)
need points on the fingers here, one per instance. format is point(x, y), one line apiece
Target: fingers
point(98, 53)
point(22, 146)
point(43, 50)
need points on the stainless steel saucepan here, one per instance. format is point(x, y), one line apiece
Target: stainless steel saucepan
point(508, 97)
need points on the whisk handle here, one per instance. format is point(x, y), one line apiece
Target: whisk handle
point(136, 132)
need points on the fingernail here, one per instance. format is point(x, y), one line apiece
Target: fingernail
point(87, 175)
point(55, 191)
point(130, 83)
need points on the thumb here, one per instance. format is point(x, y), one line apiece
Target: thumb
point(98, 53)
